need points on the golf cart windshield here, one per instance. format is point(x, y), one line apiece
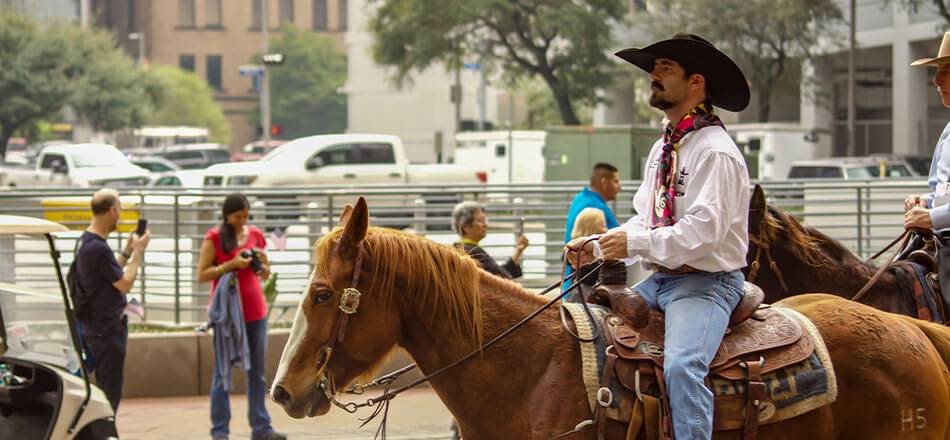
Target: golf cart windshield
point(36, 328)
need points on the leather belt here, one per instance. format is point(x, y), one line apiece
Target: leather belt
point(684, 269)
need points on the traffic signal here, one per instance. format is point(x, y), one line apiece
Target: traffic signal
point(272, 58)
point(276, 130)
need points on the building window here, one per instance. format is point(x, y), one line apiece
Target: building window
point(186, 62)
point(186, 13)
point(319, 15)
point(133, 26)
point(256, 15)
point(214, 71)
point(341, 16)
point(213, 16)
point(286, 11)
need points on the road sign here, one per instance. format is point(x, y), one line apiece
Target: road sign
point(472, 66)
point(251, 70)
point(272, 58)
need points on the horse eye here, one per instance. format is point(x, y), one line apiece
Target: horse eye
point(322, 297)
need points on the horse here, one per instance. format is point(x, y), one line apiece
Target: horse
point(373, 289)
point(806, 260)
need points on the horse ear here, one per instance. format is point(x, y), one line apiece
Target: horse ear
point(357, 224)
point(345, 215)
point(758, 198)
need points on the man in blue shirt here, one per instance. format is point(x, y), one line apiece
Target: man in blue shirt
point(604, 186)
point(931, 211)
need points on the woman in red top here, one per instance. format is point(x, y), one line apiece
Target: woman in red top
point(226, 248)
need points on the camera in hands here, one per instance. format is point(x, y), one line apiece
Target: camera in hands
point(256, 264)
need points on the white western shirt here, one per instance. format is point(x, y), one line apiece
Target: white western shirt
point(711, 208)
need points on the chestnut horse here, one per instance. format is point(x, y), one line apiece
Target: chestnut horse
point(891, 371)
point(809, 261)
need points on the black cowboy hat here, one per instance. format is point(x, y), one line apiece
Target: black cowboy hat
point(725, 83)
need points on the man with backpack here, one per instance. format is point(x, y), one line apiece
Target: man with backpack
point(98, 282)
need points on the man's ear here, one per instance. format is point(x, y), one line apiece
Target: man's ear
point(356, 227)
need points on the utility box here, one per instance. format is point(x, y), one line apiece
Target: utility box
point(570, 152)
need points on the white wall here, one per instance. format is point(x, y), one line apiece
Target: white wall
point(415, 113)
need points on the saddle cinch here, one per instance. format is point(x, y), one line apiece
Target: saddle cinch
point(760, 341)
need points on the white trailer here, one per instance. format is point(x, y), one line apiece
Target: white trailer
point(777, 145)
point(502, 154)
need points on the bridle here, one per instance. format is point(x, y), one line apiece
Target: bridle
point(761, 245)
point(349, 304)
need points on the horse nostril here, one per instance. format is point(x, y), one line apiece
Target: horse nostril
point(281, 396)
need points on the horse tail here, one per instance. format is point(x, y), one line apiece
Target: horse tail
point(938, 334)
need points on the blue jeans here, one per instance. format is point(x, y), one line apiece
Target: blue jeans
point(697, 308)
point(256, 412)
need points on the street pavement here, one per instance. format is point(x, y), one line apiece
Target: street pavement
point(413, 415)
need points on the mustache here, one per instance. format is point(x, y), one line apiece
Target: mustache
point(657, 85)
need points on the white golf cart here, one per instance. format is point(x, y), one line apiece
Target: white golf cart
point(45, 392)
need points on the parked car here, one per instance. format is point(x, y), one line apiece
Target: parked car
point(196, 156)
point(920, 165)
point(179, 179)
point(154, 164)
point(256, 150)
point(85, 165)
point(45, 391)
point(850, 168)
point(16, 151)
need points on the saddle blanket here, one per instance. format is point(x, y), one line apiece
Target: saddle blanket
point(794, 390)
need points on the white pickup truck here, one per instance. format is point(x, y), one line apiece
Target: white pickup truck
point(344, 160)
point(83, 165)
point(339, 159)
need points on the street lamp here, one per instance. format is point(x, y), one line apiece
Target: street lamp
point(140, 36)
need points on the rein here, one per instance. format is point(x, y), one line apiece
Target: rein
point(761, 245)
point(349, 303)
point(880, 271)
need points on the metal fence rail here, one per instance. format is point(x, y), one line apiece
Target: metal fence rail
point(864, 215)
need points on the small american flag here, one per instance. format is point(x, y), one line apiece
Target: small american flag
point(278, 239)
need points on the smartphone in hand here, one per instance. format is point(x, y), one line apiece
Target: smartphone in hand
point(140, 228)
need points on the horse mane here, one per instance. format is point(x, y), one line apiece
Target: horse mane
point(808, 244)
point(430, 273)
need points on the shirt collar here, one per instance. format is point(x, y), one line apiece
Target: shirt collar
point(593, 193)
point(469, 241)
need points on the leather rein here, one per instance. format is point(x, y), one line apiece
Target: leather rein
point(762, 245)
point(349, 305)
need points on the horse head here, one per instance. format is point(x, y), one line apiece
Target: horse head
point(786, 257)
point(315, 360)
point(371, 289)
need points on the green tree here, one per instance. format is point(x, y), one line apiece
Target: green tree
point(45, 66)
point(185, 99)
point(942, 7)
point(563, 42)
point(767, 38)
point(305, 96)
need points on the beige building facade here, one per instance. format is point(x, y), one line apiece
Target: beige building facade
point(214, 38)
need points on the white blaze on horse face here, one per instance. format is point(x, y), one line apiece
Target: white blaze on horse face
point(297, 333)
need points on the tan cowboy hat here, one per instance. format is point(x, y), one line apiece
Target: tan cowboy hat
point(728, 86)
point(943, 55)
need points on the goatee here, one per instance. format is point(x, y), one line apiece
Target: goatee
point(657, 102)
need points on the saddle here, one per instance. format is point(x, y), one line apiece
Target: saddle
point(760, 340)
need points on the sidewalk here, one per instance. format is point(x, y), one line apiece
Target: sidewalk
point(413, 415)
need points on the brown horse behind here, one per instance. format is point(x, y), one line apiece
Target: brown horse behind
point(891, 371)
point(809, 261)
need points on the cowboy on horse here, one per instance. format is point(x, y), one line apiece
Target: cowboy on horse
point(692, 225)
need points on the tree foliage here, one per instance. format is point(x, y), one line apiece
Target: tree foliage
point(305, 89)
point(941, 6)
point(185, 99)
point(563, 42)
point(46, 66)
point(767, 38)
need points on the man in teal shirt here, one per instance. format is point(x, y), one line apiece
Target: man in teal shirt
point(604, 186)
